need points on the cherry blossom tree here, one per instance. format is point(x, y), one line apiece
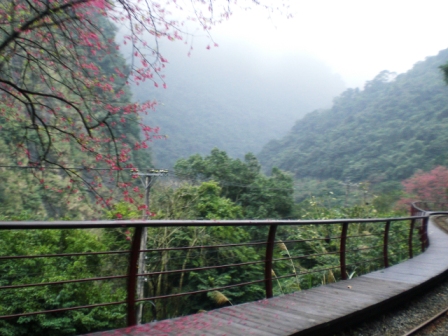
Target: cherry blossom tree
point(429, 186)
point(62, 90)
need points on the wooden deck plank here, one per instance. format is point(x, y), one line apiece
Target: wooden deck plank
point(376, 287)
point(246, 320)
point(289, 321)
point(186, 325)
point(350, 297)
point(302, 305)
point(217, 326)
point(309, 313)
point(228, 325)
point(364, 286)
point(429, 261)
point(368, 285)
point(341, 298)
point(418, 271)
point(266, 321)
point(301, 318)
point(272, 309)
point(353, 288)
point(245, 317)
point(203, 324)
point(305, 311)
point(404, 278)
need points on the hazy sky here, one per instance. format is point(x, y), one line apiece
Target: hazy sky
point(357, 39)
point(277, 70)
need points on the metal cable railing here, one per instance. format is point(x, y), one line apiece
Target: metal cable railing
point(340, 254)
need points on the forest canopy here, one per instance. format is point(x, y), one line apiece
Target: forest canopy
point(387, 131)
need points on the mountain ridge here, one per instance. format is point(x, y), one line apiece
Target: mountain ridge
point(385, 132)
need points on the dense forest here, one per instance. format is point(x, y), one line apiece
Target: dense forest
point(219, 188)
point(233, 97)
point(214, 186)
point(386, 132)
point(50, 191)
point(383, 133)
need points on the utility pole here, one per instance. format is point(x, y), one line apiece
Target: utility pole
point(347, 185)
point(147, 180)
point(364, 186)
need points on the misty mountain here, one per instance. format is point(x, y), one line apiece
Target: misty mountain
point(233, 97)
point(395, 126)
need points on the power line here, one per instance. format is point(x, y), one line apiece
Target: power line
point(66, 168)
point(228, 183)
point(147, 180)
point(134, 169)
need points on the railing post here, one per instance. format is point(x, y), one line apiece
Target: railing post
point(385, 244)
point(132, 276)
point(268, 260)
point(424, 233)
point(411, 233)
point(342, 251)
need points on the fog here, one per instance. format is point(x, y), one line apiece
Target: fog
point(267, 73)
point(357, 39)
point(235, 97)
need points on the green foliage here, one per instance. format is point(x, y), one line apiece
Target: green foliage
point(387, 131)
point(297, 270)
point(47, 269)
point(386, 196)
point(317, 246)
point(333, 194)
point(242, 182)
point(211, 206)
point(76, 194)
point(225, 276)
point(123, 210)
point(192, 202)
point(331, 190)
point(315, 208)
point(254, 195)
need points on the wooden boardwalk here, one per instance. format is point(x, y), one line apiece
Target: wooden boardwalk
point(317, 311)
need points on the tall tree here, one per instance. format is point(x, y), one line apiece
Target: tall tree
point(429, 186)
point(242, 182)
point(53, 90)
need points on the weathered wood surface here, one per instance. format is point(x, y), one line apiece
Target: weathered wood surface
point(313, 311)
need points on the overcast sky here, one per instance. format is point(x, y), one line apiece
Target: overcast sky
point(357, 39)
point(277, 70)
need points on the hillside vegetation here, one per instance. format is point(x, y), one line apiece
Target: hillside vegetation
point(389, 130)
point(52, 192)
point(39, 267)
point(234, 99)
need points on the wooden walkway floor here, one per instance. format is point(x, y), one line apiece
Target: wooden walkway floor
point(317, 311)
